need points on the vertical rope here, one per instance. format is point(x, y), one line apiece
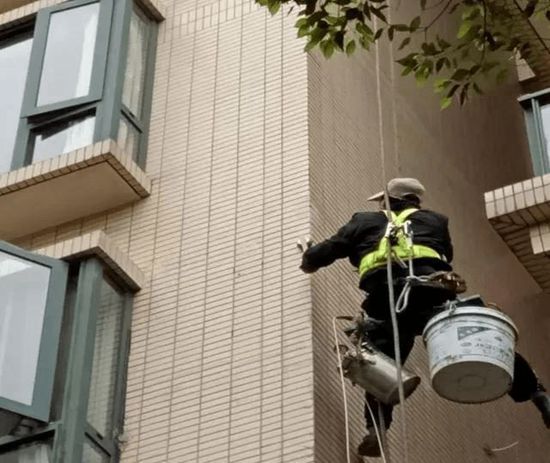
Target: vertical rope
point(391, 293)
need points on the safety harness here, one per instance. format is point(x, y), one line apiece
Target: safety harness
point(397, 242)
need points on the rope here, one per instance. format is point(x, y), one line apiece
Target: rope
point(378, 437)
point(343, 383)
point(389, 271)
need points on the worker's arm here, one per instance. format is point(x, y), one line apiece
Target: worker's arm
point(326, 252)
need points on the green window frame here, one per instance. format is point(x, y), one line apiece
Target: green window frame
point(105, 93)
point(69, 435)
point(49, 342)
point(533, 105)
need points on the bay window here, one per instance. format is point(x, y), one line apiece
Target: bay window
point(80, 73)
point(64, 344)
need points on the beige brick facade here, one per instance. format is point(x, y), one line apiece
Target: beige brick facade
point(254, 144)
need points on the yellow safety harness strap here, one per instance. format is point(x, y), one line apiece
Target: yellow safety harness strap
point(403, 250)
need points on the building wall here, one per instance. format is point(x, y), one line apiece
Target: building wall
point(221, 359)
point(228, 361)
point(359, 107)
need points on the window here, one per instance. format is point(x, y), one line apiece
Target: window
point(14, 62)
point(64, 340)
point(537, 118)
point(30, 319)
point(82, 74)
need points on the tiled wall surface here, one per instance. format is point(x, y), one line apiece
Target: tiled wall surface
point(222, 367)
point(360, 108)
point(221, 359)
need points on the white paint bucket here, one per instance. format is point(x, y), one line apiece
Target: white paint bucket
point(471, 352)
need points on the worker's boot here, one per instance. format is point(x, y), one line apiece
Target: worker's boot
point(542, 402)
point(369, 447)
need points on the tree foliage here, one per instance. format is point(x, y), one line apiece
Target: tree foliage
point(459, 61)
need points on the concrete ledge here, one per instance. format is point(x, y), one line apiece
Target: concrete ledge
point(84, 182)
point(520, 214)
point(98, 244)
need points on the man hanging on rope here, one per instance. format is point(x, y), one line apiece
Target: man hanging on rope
point(363, 241)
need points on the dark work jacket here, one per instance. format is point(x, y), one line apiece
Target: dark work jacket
point(364, 231)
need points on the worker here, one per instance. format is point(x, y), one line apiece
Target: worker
point(362, 240)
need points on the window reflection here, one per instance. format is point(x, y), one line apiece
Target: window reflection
point(69, 56)
point(63, 138)
point(132, 95)
point(24, 288)
point(106, 351)
point(14, 63)
point(33, 453)
point(128, 138)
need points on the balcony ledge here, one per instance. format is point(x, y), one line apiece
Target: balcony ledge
point(74, 185)
point(520, 213)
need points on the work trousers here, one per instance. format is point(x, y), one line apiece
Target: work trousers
point(424, 303)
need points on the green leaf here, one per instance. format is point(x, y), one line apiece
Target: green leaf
point(460, 74)
point(464, 29)
point(303, 30)
point(401, 27)
point(454, 88)
point(350, 48)
point(477, 89)
point(445, 102)
point(327, 47)
point(273, 6)
point(391, 30)
point(339, 40)
point(439, 64)
point(441, 84)
point(530, 8)
point(409, 60)
point(378, 34)
point(415, 24)
point(378, 13)
point(404, 43)
point(301, 22)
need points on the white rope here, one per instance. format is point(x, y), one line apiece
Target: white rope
point(377, 431)
point(391, 295)
point(343, 383)
point(502, 449)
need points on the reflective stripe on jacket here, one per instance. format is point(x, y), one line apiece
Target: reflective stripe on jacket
point(403, 249)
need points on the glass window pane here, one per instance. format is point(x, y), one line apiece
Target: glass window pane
point(545, 117)
point(33, 453)
point(14, 63)
point(132, 95)
point(128, 138)
point(23, 291)
point(63, 138)
point(69, 56)
point(106, 351)
point(92, 455)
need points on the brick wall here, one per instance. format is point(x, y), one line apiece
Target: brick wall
point(221, 359)
point(222, 366)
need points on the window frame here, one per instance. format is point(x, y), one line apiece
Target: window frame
point(531, 104)
point(107, 81)
point(71, 431)
point(49, 343)
point(99, 65)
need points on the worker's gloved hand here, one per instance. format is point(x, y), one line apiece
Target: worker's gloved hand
point(304, 243)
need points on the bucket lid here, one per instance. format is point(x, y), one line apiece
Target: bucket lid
point(470, 310)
